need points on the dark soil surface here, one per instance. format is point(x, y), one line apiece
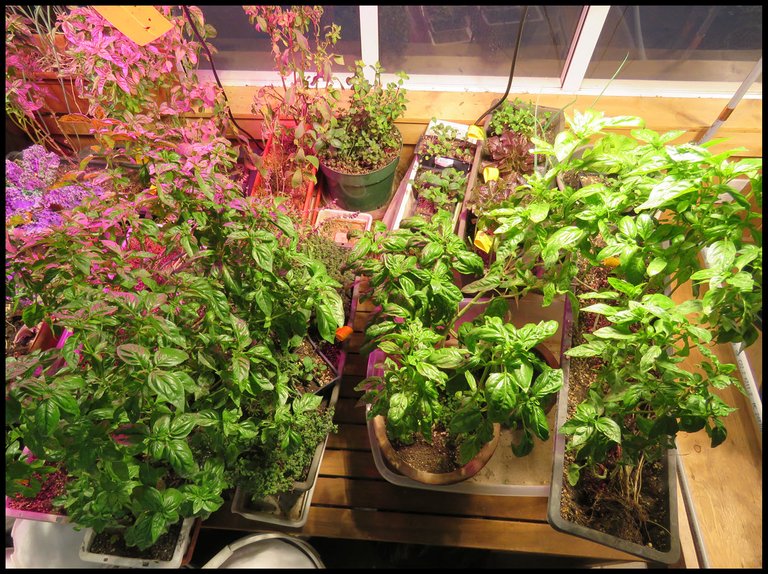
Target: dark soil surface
point(113, 543)
point(439, 457)
point(322, 378)
point(53, 485)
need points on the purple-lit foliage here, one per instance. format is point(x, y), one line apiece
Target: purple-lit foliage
point(34, 197)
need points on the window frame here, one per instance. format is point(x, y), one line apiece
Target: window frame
point(571, 82)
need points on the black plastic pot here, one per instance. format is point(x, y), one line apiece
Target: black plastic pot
point(554, 517)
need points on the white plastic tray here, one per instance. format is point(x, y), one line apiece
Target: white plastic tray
point(303, 502)
point(32, 515)
point(268, 550)
point(185, 538)
point(462, 129)
point(408, 202)
point(504, 475)
point(325, 214)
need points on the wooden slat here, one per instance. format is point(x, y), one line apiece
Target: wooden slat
point(347, 411)
point(381, 495)
point(350, 437)
point(356, 365)
point(725, 482)
point(693, 116)
point(349, 464)
point(348, 383)
point(410, 528)
point(688, 555)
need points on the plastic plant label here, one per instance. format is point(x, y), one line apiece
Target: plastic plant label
point(490, 174)
point(483, 241)
point(142, 24)
point(476, 133)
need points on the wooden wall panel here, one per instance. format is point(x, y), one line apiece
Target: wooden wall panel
point(694, 115)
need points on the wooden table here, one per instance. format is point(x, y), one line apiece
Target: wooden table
point(352, 500)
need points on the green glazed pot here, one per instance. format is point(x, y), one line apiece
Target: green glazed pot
point(361, 192)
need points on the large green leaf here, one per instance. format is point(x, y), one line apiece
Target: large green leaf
point(609, 428)
point(181, 458)
point(500, 389)
point(550, 381)
point(465, 420)
point(665, 191)
point(168, 388)
point(47, 416)
point(721, 255)
point(330, 316)
point(263, 255)
point(168, 357)
point(132, 354)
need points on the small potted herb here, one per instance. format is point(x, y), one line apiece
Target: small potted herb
point(445, 144)
point(359, 147)
point(434, 190)
point(437, 356)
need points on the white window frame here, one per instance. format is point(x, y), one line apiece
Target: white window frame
point(572, 81)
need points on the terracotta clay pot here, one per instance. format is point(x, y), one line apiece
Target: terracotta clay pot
point(397, 463)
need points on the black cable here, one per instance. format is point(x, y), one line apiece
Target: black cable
point(511, 71)
point(202, 41)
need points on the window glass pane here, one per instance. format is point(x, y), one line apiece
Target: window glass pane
point(240, 47)
point(679, 43)
point(475, 40)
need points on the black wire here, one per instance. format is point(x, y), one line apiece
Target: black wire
point(511, 71)
point(185, 9)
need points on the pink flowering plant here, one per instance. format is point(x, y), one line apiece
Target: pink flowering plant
point(31, 54)
point(136, 94)
point(123, 78)
point(303, 57)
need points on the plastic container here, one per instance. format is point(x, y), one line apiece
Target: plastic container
point(186, 536)
point(668, 479)
point(38, 544)
point(270, 550)
point(289, 509)
point(32, 515)
point(361, 192)
point(504, 474)
point(358, 219)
